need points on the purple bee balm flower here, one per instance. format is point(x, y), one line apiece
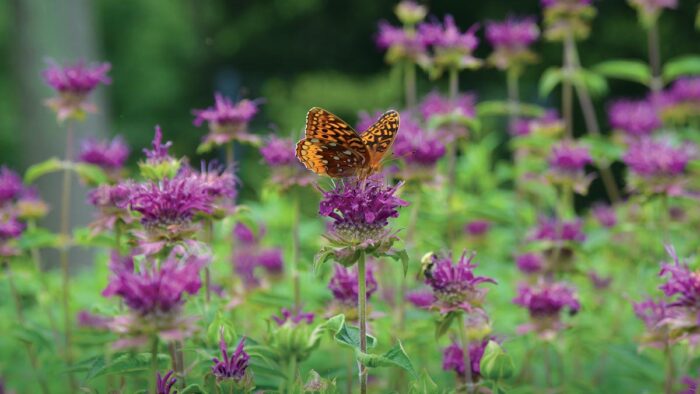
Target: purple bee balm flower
point(421, 299)
point(455, 286)
point(435, 104)
point(512, 32)
point(682, 282)
point(244, 234)
point(692, 385)
point(73, 84)
point(171, 201)
point(448, 36)
point(30, 205)
point(547, 299)
point(249, 255)
point(10, 185)
point(529, 263)
point(604, 214)
point(453, 358)
point(634, 118)
point(653, 7)
point(165, 383)
point(654, 315)
point(278, 152)
point(361, 209)
point(656, 158)
point(681, 102)
point(567, 157)
point(477, 227)
point(227, 121)
point(415, 145)
point(344, 285)
point(159, 152)
point(288, 316)
point(552, 3)
point(554, 230)
point(548, 124)
point(109, 155)
point(271, 260)
point(112, 202)
point(401, 44)
point(10, 226)
point(231, 368)
point(155, 290)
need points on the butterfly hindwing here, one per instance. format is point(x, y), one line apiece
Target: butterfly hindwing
point(379, 137)
point(331, 146)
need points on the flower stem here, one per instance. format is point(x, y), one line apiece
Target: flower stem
point(670, 369)
point(291, 375)
point(567, 98)
point(410, 84)
point(654, 57)
point(452, 152)
point(64, 254)
point(209, 239)
point(362, 301)
point(465, 351)
point(295, 253)
point(229, 154)
point(154, 365)
point(512, 76)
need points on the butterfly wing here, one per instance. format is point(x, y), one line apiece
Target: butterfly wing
point(331, 147)
point(379, 137)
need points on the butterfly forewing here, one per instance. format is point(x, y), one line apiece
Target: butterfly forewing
point(379, 137)
point(331, 147)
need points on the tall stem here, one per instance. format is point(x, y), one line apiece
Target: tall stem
point(567, 97)
point(362, 302)
point(410, 84)
point(295, 253)
point(209, 239)
point(291, 375)
point(654, 58)
point(465, 351)
point(154, 365)
point(64, 253)
point(670, 369)
point(512, 76)
point(31, 354)
point(452, 152)
point(229, 154)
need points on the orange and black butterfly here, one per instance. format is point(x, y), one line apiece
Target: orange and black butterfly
point(332, 147)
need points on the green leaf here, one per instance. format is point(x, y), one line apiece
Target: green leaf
point(591, 81)
point(40, 169)
point(35, 238)
point(83, 236)
point(629, 70)
point(218, 324)
point(549, 80)
point(502, 108)
point(398, 255)
point(424, 384)
point(131, 363)
point(395, 357)
point(193, 389)
point(350, 336)
point(91, 174)
point(443, 325)
point(680, 66)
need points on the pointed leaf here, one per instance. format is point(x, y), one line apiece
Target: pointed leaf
point(40, 169)
point(549, 80)
point(443, 325)
point(193, 389)
point(681, 66)
point(37, 237)
point(395, 357)
point(90, 173)
point(424, 384)
point(629, 70)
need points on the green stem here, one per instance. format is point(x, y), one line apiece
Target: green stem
point(512, 76)
point(654, 57)
point(154, 365)
point(567, 97)
point(465, 350)
point(670, 369)
point(452, 153)
point(410, 84)
point(229, 154)
point(291, 375)
point(64, 255)
point(209, 239)
point(362, 301)
point(296, 286)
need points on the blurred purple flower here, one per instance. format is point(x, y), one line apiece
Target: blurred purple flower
point(401, 44)
point(233, 367)
point(73, 84)
point(278, 152)
point(604, 214)
point(344, 285)
point(680, 103)
point(682, 282)
point(651, 8)
point(249, 254)
point(227, 121)
point(112, 202)
point(692, 385)
point(165, 383)
point(421, 299)
point(477, 227)
point(109, 155)
point(288, 316)
point(279, 155)
point(155, 291)
point(548, 124)
point(657, 166)
point(635, 118)
point(550, 229)
point(435, 104)
point(448, 36)
point(10, 226)
point(414, 145)
point(654, 315)
point(512, 32)
point(567, 157)
point(453, 358)
point(529, 263)
point(552, 3)
point(245, 235)
point(10, 185)
point(544, 302)
point(455, 286)
point(599, 282)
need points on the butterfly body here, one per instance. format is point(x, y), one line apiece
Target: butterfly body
point(333, 148)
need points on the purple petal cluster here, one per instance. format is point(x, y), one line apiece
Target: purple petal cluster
point(448, 36)
point(605, 215)
point(567, 157)
point(249, 255)
point(111, 202)
point(529, 263)
point(11, 185)
point(414, 145)
point(548, 124)
point(234, 367)
point(656, 158)
point(477, 227)
point(344, 285)
point(454, 286)
point(294, 318)
point(680, 103)
point(634, 118)
point(552, 3)
point(155, 289)
point(361, 209)
point(17, 204)
point(550, 229)
point(159, 152)
point(170, 201)
point(225, 112)
point(547, 299)
point(164, 384)
point(512, 33)
point(692, 385)
point(434, 104)
point(682, 283)
point(109, 155)
point(400, 43)
point(79, 78)
point(453, 358)
point(651, 312)
point(278, 152)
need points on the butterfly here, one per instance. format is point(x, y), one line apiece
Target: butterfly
point(332, 147)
